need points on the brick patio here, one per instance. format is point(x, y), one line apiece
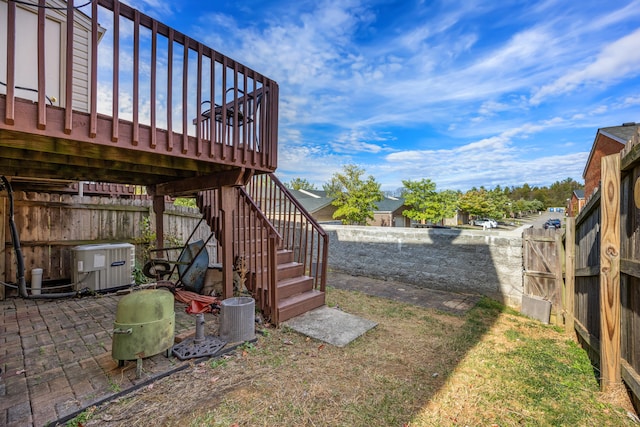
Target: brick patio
point(55, 357)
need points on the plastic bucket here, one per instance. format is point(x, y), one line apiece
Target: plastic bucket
point(237, 319)
point(36, 281)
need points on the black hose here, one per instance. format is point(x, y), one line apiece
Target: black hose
point(46, 296)
point(54, 296)
point(15, 240)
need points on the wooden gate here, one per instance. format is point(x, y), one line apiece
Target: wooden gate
point(543, 253)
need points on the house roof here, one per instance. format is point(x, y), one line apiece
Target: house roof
point(621, 134)
point(311, 200)
point(390, 204)
point(579, 194)
point(314, 200)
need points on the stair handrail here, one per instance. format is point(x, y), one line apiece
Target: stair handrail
point(295, 201)
point(274, 239)
point(268, 219)
point(263, 218)
point(320, 274)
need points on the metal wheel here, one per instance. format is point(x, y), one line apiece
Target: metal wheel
point(157, 269)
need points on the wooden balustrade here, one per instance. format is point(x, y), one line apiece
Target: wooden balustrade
point(138, 102)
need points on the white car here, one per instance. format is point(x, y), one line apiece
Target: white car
point(485, 222)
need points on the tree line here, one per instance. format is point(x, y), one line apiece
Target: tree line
point(355, 198)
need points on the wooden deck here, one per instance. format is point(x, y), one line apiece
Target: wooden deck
point(128, 100)
point(159, 133)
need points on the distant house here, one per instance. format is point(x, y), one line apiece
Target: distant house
point(388, 214)
point(460, 218)
point(316, 203)
point(576, 203)
point(609, 140)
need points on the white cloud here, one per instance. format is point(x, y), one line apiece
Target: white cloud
point(358, 141)
point(490, 108)
point(470, 94)
point(630, 101)
point(497, 160)
point(310, 162)
point(487, 163)
point(158, 9)
point(616, 60)
point(616, 16)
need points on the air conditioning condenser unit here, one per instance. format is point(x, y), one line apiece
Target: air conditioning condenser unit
point(102, 266)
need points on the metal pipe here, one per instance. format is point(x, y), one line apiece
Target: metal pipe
point(15, 240)
point(199, 328)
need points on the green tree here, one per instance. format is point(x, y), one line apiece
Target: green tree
point(426, 203)
point(355, 199)
point(185, 201)
point(555, 195)
point(300, 184)
point(521, 205)
point(560, 191)
point(482, 203)
point(475, 202)
point(500, 203)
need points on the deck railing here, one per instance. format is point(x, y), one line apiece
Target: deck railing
point(300, 232)
point(268, 219)
point(133, 82)
point(254, 245)
point(257, 242)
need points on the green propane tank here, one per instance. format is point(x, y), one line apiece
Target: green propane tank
point(144, 325)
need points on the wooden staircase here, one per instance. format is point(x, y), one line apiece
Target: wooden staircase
point(284, 250)
point(296, 293)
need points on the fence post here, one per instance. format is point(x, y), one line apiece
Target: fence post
point(557, 291)
point(570, 273)
point(610, 273)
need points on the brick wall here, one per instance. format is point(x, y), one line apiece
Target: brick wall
point(603, 146)
point(575, 206)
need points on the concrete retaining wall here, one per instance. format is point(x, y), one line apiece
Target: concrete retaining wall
point(482, 262)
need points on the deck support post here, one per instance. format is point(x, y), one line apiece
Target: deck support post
point(227, 203)
point(158, 209)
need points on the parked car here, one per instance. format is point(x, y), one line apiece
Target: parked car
point(552, 223)
point(485, 222)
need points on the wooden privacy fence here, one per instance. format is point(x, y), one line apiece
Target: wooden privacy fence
point(49, 225)
point(542, 251)
point(599, 297)
point(603, 272)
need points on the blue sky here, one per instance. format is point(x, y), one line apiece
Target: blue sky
point(464, 93)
